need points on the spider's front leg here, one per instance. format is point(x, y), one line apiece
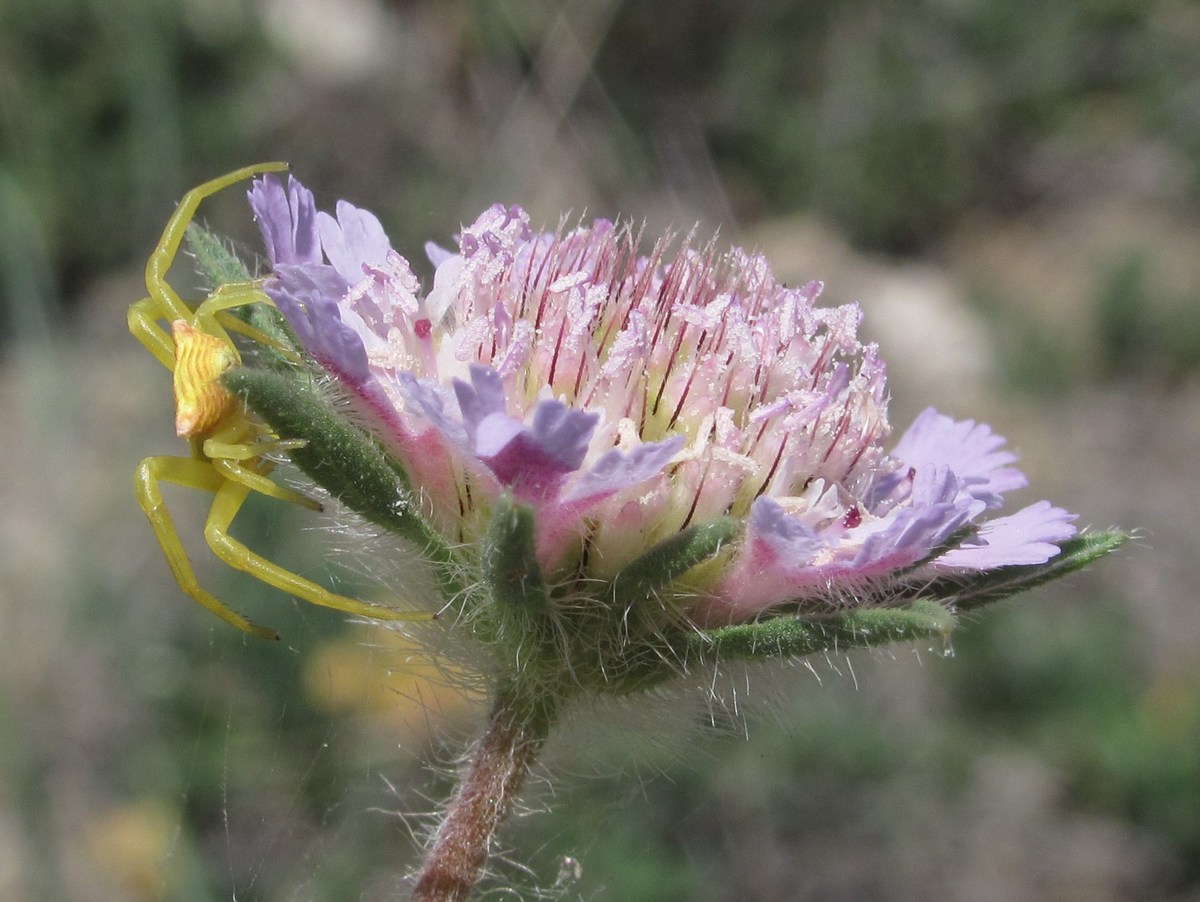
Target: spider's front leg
point(166, 301)
point(163, 304)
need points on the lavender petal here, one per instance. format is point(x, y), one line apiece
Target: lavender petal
point(287, 219)
point(968, 448)
point(1030, 536)
point(356, 238)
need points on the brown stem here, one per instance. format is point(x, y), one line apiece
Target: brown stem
point(483, 799)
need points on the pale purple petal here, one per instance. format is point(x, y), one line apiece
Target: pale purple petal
point(563, 432)
point(792, 541)
point(784, 558)
point(1029, 536)
point(430, 399)
point(616, 470)
point(968, 448)
point(483, 397)
point(491, 434)
point(445, 285)
point(287, 219)
point(307, 297)
point(535, 461)
point(910, 535)
point(355, 238)
point(937, 508)
point(777, 562)
point(559, 433)
point(437, 254)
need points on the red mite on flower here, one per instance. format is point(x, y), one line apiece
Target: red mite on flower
point(626, 397)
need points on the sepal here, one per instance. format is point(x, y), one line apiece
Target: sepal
point(670, 559)
point(509, 558)
point(794, 637)
point(217, 263)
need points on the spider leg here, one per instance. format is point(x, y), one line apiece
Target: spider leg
point(230, 497)
point(213, 317)
point(237, 450)
point(143, 319)
point(258, 482)
point(211, 314)
point(195, 474)
point(230, 295)
point(169, 303)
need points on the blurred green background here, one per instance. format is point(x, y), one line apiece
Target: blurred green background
point(1009, 188)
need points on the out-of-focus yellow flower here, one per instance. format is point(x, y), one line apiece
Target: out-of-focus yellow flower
point(385, 675)
point(132, 845)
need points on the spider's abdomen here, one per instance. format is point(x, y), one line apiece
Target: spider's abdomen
point(201, 401)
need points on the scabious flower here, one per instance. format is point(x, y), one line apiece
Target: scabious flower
point(626, 397)
point(621, 463)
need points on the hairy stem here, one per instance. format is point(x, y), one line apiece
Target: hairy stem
point(485, 795)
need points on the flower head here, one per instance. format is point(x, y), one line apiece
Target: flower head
point(628, 396)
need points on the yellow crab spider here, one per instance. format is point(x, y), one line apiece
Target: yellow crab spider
point(228, 446)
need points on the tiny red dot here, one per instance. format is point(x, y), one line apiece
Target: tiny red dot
point(852, 519)
point(423, 328)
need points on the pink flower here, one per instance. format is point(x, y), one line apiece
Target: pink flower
point(626, 397)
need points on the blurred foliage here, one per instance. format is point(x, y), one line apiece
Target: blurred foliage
point(1131, 328)
point(890, 120)
point(1143, 334)
point(1077, 694)
point(106, 108)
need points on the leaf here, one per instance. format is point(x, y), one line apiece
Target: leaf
point(794, 637)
